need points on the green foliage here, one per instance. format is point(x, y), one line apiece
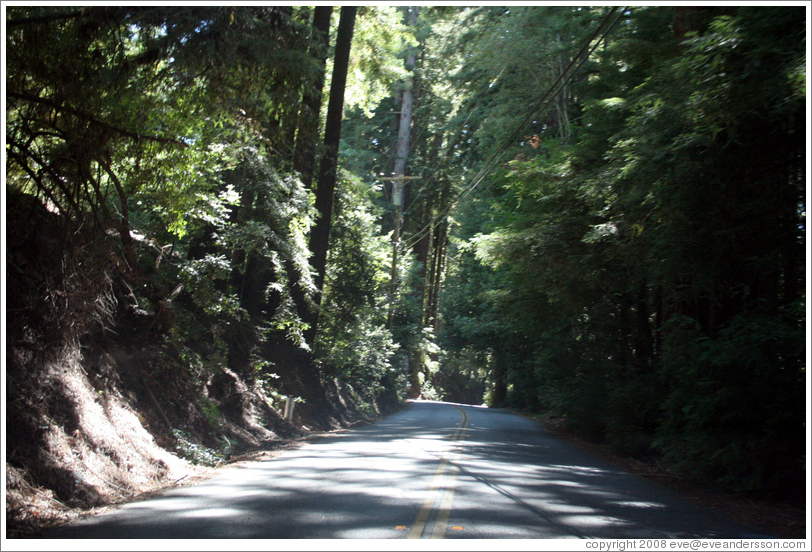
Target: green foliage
point(172, 126)
point(195, 453)
point(377, 43)
point(353, 338)
point(739, 392)
point(462, 377)
point(212, 413)
point(267, 237)
point(640, 273)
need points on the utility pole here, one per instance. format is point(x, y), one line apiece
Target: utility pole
point(401, 155)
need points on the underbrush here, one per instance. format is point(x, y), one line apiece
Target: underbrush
point(106, 400)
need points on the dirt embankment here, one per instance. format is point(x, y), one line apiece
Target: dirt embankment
point(101, 406)
point(81, 437)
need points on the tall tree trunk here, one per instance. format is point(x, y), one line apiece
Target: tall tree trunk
point(439, 246)
point(499, 393)
point(422, 250)
point(426, 247)
point(307, 137)
point(308, 131)
point(320, 235)
point(644, 338)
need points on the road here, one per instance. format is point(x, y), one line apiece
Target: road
point(434, 470)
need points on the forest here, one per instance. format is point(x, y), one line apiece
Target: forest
point(592, 214)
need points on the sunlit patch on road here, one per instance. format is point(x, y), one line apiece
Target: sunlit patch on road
point(497, 477)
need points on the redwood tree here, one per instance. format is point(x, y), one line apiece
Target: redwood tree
point(320, 235)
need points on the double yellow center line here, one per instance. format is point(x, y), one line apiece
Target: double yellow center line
point(442, 486)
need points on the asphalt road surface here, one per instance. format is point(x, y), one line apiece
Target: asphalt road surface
point(434, 470)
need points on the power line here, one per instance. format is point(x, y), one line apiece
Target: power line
point(559, 83)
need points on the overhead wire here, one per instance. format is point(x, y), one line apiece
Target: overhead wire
point(585, 52)
point(546, 98)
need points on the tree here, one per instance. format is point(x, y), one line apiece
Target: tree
point(308, 128)
point(320, 235)
point(629, 263)
point(188, 144)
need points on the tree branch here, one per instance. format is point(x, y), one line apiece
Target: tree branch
point(23, 153)
point(92, 120)
point(44, 18)
point(81, 12)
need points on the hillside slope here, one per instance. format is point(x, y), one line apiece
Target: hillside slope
point(101, 404)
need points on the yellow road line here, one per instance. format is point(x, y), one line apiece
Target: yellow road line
point(437, 486)
point(441, 524)
point(423, 516)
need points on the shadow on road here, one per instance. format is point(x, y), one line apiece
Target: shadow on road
point(512, 479)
